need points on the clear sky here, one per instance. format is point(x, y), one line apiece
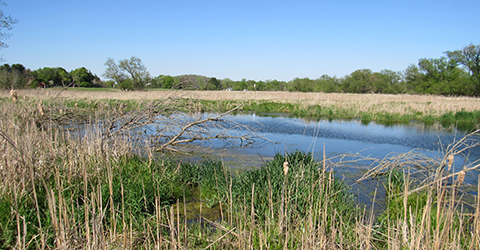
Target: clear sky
point(250, 39)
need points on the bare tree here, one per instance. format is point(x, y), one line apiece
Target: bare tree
point(6, 22)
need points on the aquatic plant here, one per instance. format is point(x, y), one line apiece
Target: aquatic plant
point(64, 190)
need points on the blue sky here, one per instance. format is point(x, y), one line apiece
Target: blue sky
point(256, 40)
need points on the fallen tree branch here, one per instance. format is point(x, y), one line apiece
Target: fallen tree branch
point(185, 128)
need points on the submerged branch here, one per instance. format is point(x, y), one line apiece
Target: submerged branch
point(168, 123)
point(175, 139)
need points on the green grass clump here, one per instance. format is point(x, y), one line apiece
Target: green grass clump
point(431, 212)
point(306, 188)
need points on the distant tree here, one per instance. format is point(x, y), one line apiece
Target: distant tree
point(110, 83)
point(98, 83)
point(413, 78)
point(469, 57)
point(137, 71)
point(360, 81)
point(275, 85)
point(18, 68)
point(260, 86)
point(240, 85)
point(16, 75)
point(167, 82)
point(395, 80)
point(128, 69)
point(82, 77)
point(301, 85)
point(6, 22)
point(227, 83)
point(327, 84)
point(126, 84)
point(51, 76)
point(438, 75)
point(113, 71)
point(213, 84)
point(251, 85)
point(190, 82)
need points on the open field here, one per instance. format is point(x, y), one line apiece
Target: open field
point(428, 104)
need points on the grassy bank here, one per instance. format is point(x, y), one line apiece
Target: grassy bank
point(463, 112)
point(466, 120)
point(66, 190)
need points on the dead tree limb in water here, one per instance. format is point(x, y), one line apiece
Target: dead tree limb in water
point(167, 124)
point(203, 129)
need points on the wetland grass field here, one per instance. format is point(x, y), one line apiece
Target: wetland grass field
point(100, 189)
point(382, 108)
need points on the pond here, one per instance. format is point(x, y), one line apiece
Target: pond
point(336, 137)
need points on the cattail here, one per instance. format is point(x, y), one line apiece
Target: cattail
point(285, 168)
point(461, 177)
point(450, 161)
point(13, 94)
point(40, 108)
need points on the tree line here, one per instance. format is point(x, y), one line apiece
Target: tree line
point(457, 73)
point(17, 76)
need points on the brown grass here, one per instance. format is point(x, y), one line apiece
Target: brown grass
point(427, 104)
point(29, 154)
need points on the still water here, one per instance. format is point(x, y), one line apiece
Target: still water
point(337, 137)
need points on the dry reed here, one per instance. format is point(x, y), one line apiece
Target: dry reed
point(33, 149)
point(401, 104)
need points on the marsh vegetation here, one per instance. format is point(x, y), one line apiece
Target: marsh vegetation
point(104, 187)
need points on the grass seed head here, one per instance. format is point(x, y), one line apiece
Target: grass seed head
point(450, 161)
point(285, 168)
point(461, 177)
point(13, 94)
point(40, 108)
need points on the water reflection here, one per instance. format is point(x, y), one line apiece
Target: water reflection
point(338, 137)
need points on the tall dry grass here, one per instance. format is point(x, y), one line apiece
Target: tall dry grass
point(67, 191)
point(427, 104)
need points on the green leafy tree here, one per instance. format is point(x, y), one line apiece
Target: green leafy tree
point(301, 85)
point(469, 57)
point(327, 84)
point(438, 75)
point(132, 69)
point(190, 82)
point(51, 76)
point(126, 84)
point(137, 71)
point(227, 83)
point(260, 86)
point(240, 85)
point(360, 81)
point(251, 85)
point(114, 72)
point(392, 82)
point(214, 84)
point(16, 76)
point(275, 85)
point(110, 83)
point(82, 77)
point(167, 82)
point(413, 78)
